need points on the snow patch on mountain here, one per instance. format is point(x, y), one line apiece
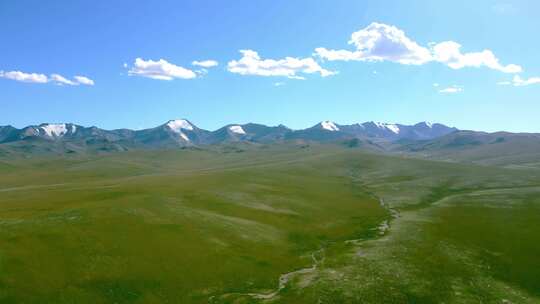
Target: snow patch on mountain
point(379, 125)
point(184, 136)
point(392, 127)
point(179, 124)
point(237, 130)
point(328, 125)
point(56, 130)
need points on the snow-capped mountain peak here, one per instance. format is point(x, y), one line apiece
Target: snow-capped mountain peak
point(57, 130)
point(425, 124)
point(391, 127)
point(328, 125)
point(175, 133)
point(237, 130)
point(179, 124)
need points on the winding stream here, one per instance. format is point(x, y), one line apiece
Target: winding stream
point(285, 278)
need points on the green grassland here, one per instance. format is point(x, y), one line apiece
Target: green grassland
point(224, 224)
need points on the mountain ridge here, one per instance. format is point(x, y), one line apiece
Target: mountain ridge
point(425, 124)
point(182, 126)
point(434, 140)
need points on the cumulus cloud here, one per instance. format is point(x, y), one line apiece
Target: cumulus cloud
point(24, 77)
point(42, 78)
point(451, 90)
point(383, 42)
point(379, 42)
point(449, 53)
point(161, 70)
point(520, 82)
point(252, 64)
point(205, 63)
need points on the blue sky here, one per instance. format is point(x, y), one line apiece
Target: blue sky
point(403, 64)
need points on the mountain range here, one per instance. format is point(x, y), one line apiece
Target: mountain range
point(182, 133)
point(432, 140)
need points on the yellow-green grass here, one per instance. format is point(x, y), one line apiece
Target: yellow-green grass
point(220, 225)
point(463, 234)
point(170, 226)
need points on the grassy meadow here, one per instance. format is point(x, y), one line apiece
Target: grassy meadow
point(227, 224)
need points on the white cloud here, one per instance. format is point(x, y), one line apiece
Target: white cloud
point(24, 77)
point(201, 72)
point(451, 90)
point(279, 84)
point(335, 55)
point(449, 53)
point(42, 78)
point(252, 64)
point(520, 82)
point(435, 84)
point(382, 42)
point(61, 80)
point(205, 63)
point(379, 42)
point(84, 80)
point(161, 70)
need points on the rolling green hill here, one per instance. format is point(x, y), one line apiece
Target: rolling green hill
point(255, 223)
point(500, 148)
